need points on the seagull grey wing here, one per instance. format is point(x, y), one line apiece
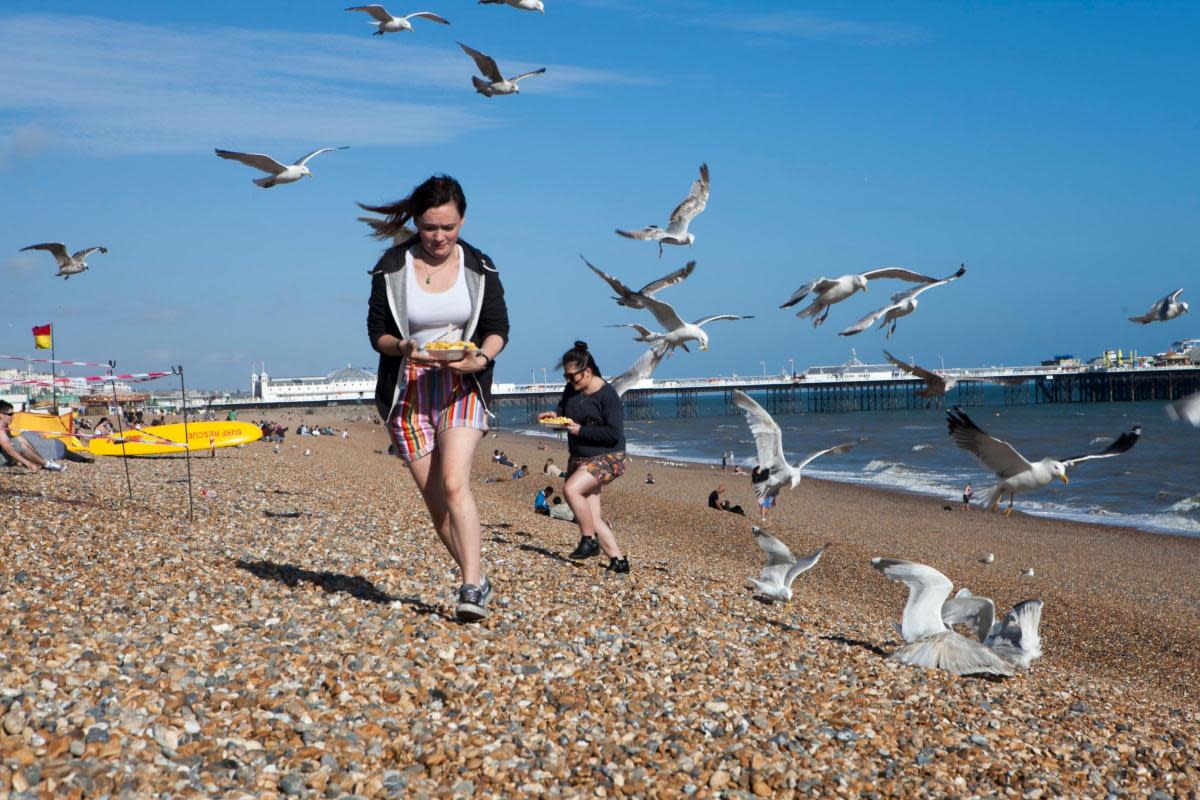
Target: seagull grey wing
point(1018, 639)
point(837, 448)
point(678, 276)
point(648, 232)
point(914, 292)
point(378, 12)
point(866, 321)
point(82, 254)
point(56, 249)
point(523, 75)
point(954, 653)
point(664, 313)
point(692, 205)
point(801, 566)
point(429, 15)
point(641, 370)
point(803, 291)
point(317, 152)
point(779, 557)
point(256, 160)
point(1186, 409)
point(1123, 443)
point(927, 592)
point(912, 369)
point(487, 67)
point(642, 330)
point(997, 455)
point(717, 317)
point(970, 609)
point(624, 292)
point(768, 438)
point(900, 273)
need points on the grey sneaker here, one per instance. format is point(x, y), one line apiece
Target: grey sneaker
point(486, 589)
point(471, 603)
point(54, 466)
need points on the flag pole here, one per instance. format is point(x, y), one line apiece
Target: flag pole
point(187, 444)
point(53, 373)
point(120, 427)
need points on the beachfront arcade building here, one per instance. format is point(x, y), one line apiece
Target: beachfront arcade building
point(341, 385)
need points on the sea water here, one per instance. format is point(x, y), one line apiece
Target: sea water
point(1155, 486)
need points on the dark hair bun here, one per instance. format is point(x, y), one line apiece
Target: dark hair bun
point(580, 345)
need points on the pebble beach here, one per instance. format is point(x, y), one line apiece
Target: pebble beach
point(297, 639)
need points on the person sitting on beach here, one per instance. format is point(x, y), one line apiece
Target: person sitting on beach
point(541, 501)
point(520, 472)
point(103, 428)
point(435, 285)
point(560, 510)
point(16, 450)
point(552, 469)
point(505, 461)
point(737, 470)
point(596, 445)
point(732, 509)
point(714, 497)
point(649, 478)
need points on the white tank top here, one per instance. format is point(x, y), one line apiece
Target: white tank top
point(429, 313)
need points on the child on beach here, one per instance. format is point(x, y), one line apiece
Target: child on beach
point(596, 445)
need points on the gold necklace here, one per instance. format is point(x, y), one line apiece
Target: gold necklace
point(428, 267)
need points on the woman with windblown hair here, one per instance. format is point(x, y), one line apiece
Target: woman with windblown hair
point(435, 286)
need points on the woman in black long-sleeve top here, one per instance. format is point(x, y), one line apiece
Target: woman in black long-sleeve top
point(596, 444)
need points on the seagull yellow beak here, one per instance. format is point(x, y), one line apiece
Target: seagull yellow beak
point(1063, 478)
point(704, 347)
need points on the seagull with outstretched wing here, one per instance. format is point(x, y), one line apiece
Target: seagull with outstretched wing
point(1166, 309)
point(631, 299)
point(677, 332)
point(935, 385)
point(68, 263)
point(279, 173)
point(929, 641)
point(782, 568)
point(903, 304)
point(641, 370)
point(496, 83)
point(1016, 473)
point(676, 231)
point(524, 5)
point(386, 23)
point(828, 291)
point(768, 440)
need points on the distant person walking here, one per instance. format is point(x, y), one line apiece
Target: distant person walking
point(434, 285)
point(968, 493)
point(596, 445)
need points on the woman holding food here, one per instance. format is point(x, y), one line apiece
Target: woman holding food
point(438, 320)
point(591, 412)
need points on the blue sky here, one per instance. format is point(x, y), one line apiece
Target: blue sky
point(1049, 146)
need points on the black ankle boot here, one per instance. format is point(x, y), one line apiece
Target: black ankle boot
point(618, 565)
point(588, 547)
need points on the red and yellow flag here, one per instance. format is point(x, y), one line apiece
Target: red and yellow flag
point(42, 337)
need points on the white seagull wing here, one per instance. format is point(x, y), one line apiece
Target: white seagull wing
point(997, 455)
point(256, 160)
point(641, 370)
point(970, 609)
point(1019, 640)
point(716, 317)
point(56, 249)
point(621, 289)
point(779, 558)
point(692, 205)
point(837, 448)
point(819, 286)
point(523, 75)
point(1186, 409)
point(487, 67)
point(316, 153)
point(82, 254)
point(378, 12)
point(802, 565)
point(866, 321)
point(932, 378)
point(429, 15)
point(927, 592)
point(910, 293)
point(648, 232)
point(664, 313)
point(653, 287)
point(1123, 443)
point(768, 438)
point(900, 273)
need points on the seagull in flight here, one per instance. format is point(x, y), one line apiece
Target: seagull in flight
point(524, 5)
point(781, 569)
point(386, 23)
point(930, 642)
point(903, 304)
point(935, 385)
point(1186, 409)
point(68, 263)
point(1015, 472)
point(828, 291)
point(678, 332)
point(631, 299)
point(676, 231)
point(496, 83)
point(279, 173)
point(641, 370)
point(768, 439)
point(1166, 309)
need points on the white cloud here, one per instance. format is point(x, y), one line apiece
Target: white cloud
point(114, 88)
point(810, 26)
point(26, 263)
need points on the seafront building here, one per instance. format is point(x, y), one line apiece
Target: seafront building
point(340, 386)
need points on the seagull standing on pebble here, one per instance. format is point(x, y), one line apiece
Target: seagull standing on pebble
point(781, 569)
point(524, 5)
point(68, 263)
point(279, 173)
point(386, 23)
point(496, 83)
point(676, 231)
